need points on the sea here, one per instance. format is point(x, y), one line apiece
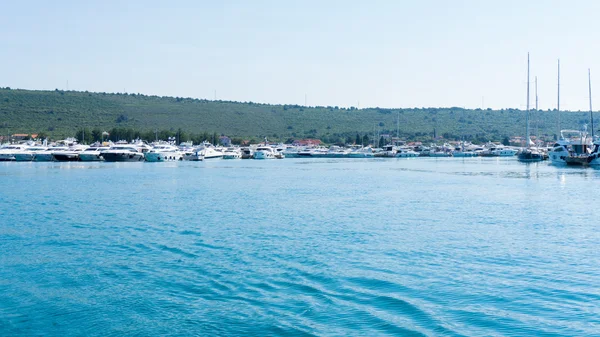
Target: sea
point(300, 247)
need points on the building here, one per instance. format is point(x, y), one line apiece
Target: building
point(22, 136)
point(307, 142)
point(225, 141)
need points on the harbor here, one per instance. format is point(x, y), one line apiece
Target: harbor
point(574, 148)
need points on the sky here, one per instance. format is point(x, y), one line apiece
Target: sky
point(392, 54)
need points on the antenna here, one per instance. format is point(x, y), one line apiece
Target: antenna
point(305, 100)
point(590, 91)
point(215, 94)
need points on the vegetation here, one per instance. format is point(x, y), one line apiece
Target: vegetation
point(61, 114)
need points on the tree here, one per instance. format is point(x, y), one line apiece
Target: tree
point(381, 142)
point(506, 141)
point(358, 139)
point(365, 139)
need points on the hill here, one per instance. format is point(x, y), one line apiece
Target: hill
point(61, 113)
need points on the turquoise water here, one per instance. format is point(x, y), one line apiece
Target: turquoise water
point(453, 247)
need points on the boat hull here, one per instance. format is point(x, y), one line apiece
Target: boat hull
point(90, 157)
point(162, 156)
point(123, 157)
point(66, 157)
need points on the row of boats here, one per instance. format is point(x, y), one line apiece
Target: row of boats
point(573, 148)
point(136, 151)
point(70, 150)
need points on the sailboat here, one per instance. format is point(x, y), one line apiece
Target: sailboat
point(586, 153)
point(528, 154)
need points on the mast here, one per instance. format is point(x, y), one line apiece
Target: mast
point(527, 113)
point(398, 127)
point(536, 115)
point(590, 92)
point(558, 101)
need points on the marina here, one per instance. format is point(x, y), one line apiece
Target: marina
point(167, 151)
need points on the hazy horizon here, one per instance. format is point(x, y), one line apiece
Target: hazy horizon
point(378, 54)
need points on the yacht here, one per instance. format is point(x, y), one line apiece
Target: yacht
point(247, 153)
point(232, 153)
point(464, 150)
point(264, 152)
point(290, 152)
point(7, 152)
point(93, 153)
point(493, 150)
point(123, 153)
point(388, 151)
point(72, 154)
point(205, 151)
point(404, 152)
point(364, 152)
point(48, 155)
point(577, 149)
point(163, 152)
point(29, 154)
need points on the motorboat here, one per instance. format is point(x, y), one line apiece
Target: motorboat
point(575, 148)
point(123, 153)
point(290, 152)
point(404, 152)
point(7, 152)
point(493, 150)
point(247, 153)
point(48, 155)
point(29, 154)
point(264, 152)
point(203, 152)
point(72, 154)
point(93, 153)
point(163, 152)
point(232, 153)
point(363, 152)
point(388, 151)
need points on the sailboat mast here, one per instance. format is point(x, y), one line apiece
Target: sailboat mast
point(527, 113)
point(536, 115)
point(558, 100)
point(398, 127)
point(590, 92)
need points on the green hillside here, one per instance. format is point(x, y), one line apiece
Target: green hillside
point(62, 113)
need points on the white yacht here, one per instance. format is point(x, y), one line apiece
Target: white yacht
point(163, 152)
point(290, 152)
point(247, 153)
point(123, 153)
point(7, 152)
point(29, 154)
point(93, 153)
point(72, 154)
point(363, 152)
point(48, 155)
point(493, 150)
point(404, 152)
point(388, 151)
point(264, 152)
point(576, 149)
point(464, 150)
point(232, 153)
point(205, 151)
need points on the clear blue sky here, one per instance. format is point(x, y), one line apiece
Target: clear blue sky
point(379, 53)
